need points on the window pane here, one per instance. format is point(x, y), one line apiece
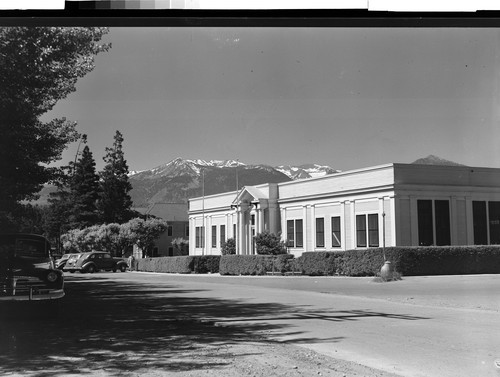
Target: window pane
point(373, 230)
point(290, 233)
point(361, 230)
point(214, 236)
point(480, 223)
point(442, 216)
point(425, 223)
point(494, 214)
point(197, 231)
point(320, 232)
point(336, 241)
point(299, 239)
point(222, 235)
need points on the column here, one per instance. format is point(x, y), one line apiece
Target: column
point(305, 236)
point(313, 228)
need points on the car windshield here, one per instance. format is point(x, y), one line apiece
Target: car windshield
point(24, 247)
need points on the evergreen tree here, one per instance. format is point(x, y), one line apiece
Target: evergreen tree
point(115, 203)
point(39, 66)
point(84, 192)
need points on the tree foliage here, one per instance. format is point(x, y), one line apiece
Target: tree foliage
point(38, 67)
point(114, 238)
point(269, 244)
point(84, 192)
point(115, 203)
point(229, 247)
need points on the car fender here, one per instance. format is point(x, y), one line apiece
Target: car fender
point(87, 264)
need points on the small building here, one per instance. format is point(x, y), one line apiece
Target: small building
point(176, 216)
point(392, 205)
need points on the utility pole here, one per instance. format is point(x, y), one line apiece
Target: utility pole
point(203, 212)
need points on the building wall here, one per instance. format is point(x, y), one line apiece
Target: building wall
point(388, 196)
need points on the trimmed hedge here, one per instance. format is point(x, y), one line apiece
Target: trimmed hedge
point(200, 264)
point(408, 261)
point(254, 264)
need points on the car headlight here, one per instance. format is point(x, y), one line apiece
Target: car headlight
point(52, 277)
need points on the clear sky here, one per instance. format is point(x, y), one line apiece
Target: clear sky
point(344, 97)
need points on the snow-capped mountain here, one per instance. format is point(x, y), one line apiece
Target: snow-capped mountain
point(181, 178)
point(306, 171)
point(435, 160)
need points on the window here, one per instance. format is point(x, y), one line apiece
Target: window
point(442, 216)
point(425, 223)
point(234, 233)
point(169, 230)
point(480, 223)
point(214, 235)
point(336, 239)
point(155, 251)
point(367, 230)
point(373, 230)
point(222, 237)
point(200, 237)
point(320, 232)
point(252, 219)
point(361, 231)
point(295, 233)
point(170, 251)
point(186, 230)
point(494, 220)
point(433, 222)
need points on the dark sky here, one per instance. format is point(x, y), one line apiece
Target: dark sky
point(344, 97)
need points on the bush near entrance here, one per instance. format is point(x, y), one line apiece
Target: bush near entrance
point(254, 264)
point(199, 264)
point(408, 261)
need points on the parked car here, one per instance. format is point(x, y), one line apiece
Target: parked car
point(27, 271)
point(70, 263)
point(95, 261)
point(61, 262)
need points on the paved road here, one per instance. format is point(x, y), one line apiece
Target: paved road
point(441, 326)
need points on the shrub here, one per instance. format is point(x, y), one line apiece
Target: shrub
point(254, 264)
point(316, 263)
point(199, 264)
point(204, 264)
point(229, 247)
point(180, 265)
point(268, 243)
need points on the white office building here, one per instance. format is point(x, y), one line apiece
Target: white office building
point(391, 205)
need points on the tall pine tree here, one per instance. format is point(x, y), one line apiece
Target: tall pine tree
point(84, 191)
point(115, 203)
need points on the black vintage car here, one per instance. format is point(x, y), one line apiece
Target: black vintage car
point(27, 271)
point(95, 261)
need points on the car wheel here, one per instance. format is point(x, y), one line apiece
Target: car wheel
point(114, 269)
point(123, 268)
point(91, 269)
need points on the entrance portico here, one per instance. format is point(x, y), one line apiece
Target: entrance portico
point(250, 206)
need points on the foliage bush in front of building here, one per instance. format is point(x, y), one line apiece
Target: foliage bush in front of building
point(407, 261)
point(254, 264)
point(199, 264)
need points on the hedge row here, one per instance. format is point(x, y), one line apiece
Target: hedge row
point(200, 264)
point(254, 264)
point(408, 261)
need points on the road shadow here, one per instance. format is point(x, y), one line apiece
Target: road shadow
point(121, 328)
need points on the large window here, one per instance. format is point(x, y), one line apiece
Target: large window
point(320, 232)
point(480, 223)
point(367, 230)
point(170, 230)
point(494, 220)
point(214, 235)
point(336, 236)
point(200, 237)
point(434, 222)
point(222, 237)
point(295, 233)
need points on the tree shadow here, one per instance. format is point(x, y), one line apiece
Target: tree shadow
point(124, 327)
